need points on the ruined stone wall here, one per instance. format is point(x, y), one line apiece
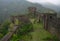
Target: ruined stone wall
point(45, 18)
point(21, 18)
point(58, 27)
point(50, 22)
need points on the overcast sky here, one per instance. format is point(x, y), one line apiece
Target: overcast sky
point(55, 2)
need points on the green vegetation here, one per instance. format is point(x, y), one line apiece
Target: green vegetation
point(31, 31)
point(38, 33)
point(18, 8)
point(4, 28)
point(28, 32)
point(1, 35)
point(54, 38)
point(25, 28)
point(23, 32)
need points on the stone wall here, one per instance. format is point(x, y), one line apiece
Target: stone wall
point(21, 18)
point(50, 22)
point(58, 27)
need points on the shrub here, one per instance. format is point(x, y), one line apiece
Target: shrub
point(25, 28)
point(4, 27)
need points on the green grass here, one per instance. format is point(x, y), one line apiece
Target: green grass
point(39, 33)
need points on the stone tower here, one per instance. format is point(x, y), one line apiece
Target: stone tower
point(32, 11)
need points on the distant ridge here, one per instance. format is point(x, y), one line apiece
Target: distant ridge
point(14, 7)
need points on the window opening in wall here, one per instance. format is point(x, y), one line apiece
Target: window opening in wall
point(50, 17)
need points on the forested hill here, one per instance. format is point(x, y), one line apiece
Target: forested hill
point(13, 7)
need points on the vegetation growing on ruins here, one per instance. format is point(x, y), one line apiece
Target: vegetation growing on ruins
point(4, 28)
point(30, 28)
point(25, 32)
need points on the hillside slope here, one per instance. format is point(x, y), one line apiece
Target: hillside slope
point(14, 7)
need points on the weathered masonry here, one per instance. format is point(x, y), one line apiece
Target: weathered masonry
point(21, 18)
point(58, 27)
point(52, 24)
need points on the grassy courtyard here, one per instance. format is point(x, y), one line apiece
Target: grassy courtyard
point(38, 33)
